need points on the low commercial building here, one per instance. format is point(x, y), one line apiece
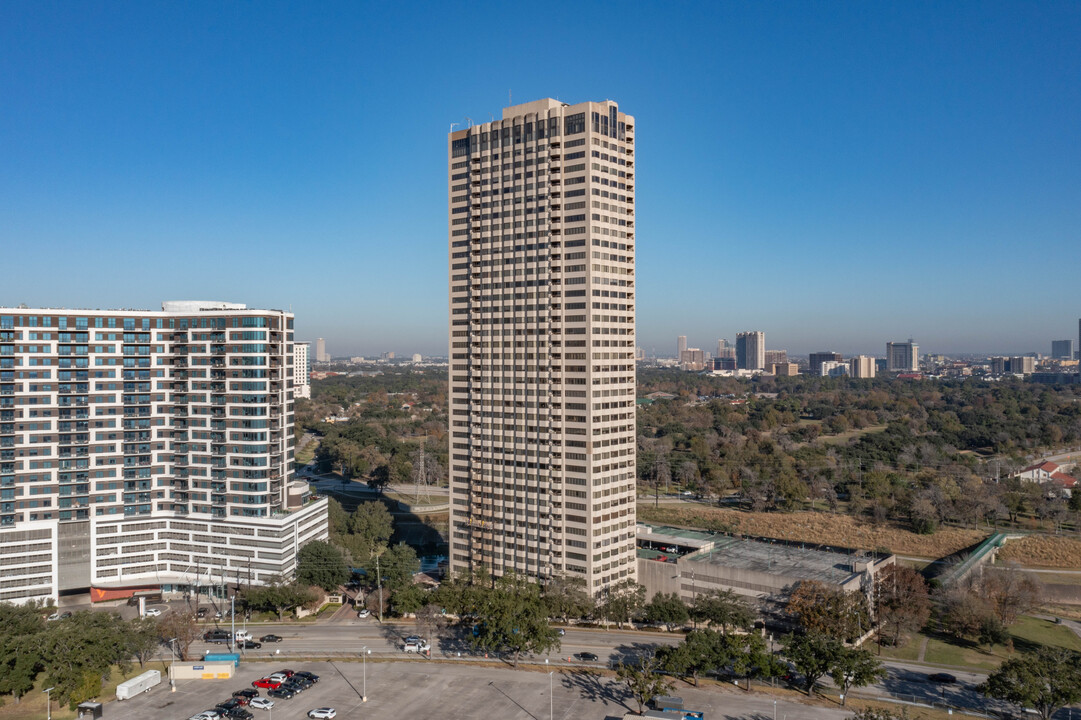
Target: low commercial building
point(689, 562)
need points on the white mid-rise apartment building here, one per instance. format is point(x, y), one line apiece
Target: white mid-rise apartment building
point(144, 449)
point(542, 340)
point(302, 370)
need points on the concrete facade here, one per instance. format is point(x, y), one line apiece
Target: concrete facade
point(542, 337)
point(117, 428)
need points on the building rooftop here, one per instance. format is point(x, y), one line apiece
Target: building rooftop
point(779, 558)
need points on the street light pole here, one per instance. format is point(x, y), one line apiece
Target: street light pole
point(172, 679)
point(551, 702)
point(48, 703)
point(364, 653)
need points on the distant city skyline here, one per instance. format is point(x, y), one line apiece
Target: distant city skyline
point(835, 175)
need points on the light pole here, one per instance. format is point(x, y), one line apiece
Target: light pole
point(774, 710)
point(172, 680)
point(551, 702)
point(48, 703)
point(364, 653)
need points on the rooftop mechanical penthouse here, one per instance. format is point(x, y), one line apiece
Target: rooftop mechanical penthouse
point(147, 449)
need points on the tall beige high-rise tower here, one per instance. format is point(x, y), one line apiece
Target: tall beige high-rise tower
point(542, 294)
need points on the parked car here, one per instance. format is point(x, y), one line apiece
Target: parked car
point(262, 703)
point(233, 702)
point(364, 613)
point(271, 638)
point(206, 715)
point(280, 692)
point(586, 657)
point(152, 612)
point(267, 683)
point(307, 675)
point(286, 672)
point(322, 713)
point(249, 644)
point(248, 693)
point(944, 678)
point(416, 647)
point(238, 713)
point(303, 682)
point(278, 677)
point(200, 613)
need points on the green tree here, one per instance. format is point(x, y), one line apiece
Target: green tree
point(700, 652)
point(829, 610)
point(621, 602)
point(398, 565)
point(21, 635)
point(321, 564)
point(813, 655)
point(144, 639)
point(1045, 680)
point(643, 678)
point(512, 617)
point(722, 608)
point(373, 524)
point(408, 599)
point(337, 518)
point(278, 597)
point(566, 597)
point(78, 653)
point(855, 667)
point(668, 609)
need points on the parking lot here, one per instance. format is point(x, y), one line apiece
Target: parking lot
point(422, 689)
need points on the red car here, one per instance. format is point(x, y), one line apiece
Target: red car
point(266, 683)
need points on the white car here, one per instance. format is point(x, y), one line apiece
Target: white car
point(364, 613)
point(278, 677)
point(322, 713)
point(416, 647)
point(152, 612)
point(207, 715)
point(261, 703)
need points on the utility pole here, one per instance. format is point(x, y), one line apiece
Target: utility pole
point(379, 585)
point(232, 622)
point(48, 702)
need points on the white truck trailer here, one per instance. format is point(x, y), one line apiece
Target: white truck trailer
point(138, 684)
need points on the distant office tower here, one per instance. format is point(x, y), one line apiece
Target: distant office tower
point(417, 357)
point(681, 346)
point(815, 360)
point(751, 350)
point(775, 357)
point(1062, 349)
point(724, 363)
point(1022, 365)
point(302, 370)
point(692, 359)
point(725, 349)
point(862, 366)
point(148, 449)
point(833, 368)
point(321, 351)
point(902, 356)
point(1000, 365)
point(639, 353)
point(542, 339)
point(785, 369)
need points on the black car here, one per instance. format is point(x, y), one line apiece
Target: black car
point(248, 693)
point(296, 687)
point(312, 677)
point(216, 636)
point(238, 713)
point(944, 678)
point(586, 657)
point(231, 704)
point(281, 692)
point(271, 638)
point(249, 644)
point(200, 613)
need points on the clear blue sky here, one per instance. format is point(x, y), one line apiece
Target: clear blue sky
point(837, 174)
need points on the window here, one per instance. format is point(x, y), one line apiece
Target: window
point(574, 124)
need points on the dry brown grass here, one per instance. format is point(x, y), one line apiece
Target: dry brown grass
point(816, 527)
point(1043, 551)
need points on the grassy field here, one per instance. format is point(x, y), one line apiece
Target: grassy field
point(845, 437)
point(1027, 634)
point(1043, 551)
point(305, 454)
point(815, 527)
